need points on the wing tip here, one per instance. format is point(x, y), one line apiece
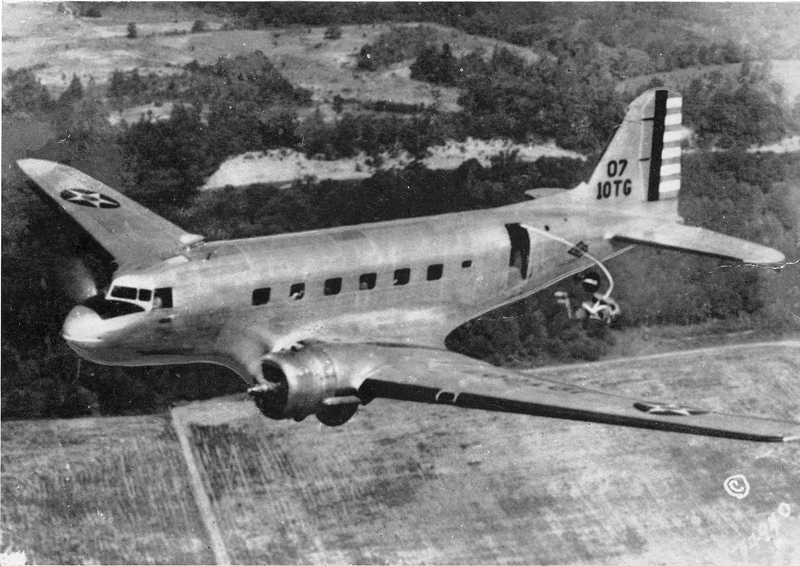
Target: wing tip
point(766, 256)
point(30, 166)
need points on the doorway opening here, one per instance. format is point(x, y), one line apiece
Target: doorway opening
point(520, 249)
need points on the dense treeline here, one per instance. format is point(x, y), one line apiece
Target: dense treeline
point(737, 112)
point(251, 106)
point(241, 79)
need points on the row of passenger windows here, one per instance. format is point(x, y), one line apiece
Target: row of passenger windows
point(366, 282)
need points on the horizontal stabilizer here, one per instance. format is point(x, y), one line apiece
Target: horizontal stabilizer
point(693, 239)
point(534, 194)
point(132, 234)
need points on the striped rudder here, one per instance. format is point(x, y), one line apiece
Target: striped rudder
point(664, 171)
point(643, 161)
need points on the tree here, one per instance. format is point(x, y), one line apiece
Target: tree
point(24, 92)
point(365, 60)
point(333, 32)
point(91, 11)
point(198, 26)
point(132, 33)
point(435, 67)
point(73, 93)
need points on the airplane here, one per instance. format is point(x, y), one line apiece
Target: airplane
point(323, 321)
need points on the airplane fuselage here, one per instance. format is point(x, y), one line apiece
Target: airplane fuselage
point(231, 301)
point(325, 321)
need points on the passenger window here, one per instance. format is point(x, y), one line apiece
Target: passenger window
point(297, 291)
point(145, 295)
point(367, 281)
point(120, 292)
point(162, 298)
point(435, 271)
point(333, 286)
point(466, 263)
point(402, 276)
point(261, 296)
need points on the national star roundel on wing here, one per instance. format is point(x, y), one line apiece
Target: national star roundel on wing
point(85, 197)
point(668, 409)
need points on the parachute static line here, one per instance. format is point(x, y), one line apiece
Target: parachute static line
point(570, 245)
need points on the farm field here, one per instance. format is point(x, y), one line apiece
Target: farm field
point(406, 483)
point(101, 491)
point(410, 483)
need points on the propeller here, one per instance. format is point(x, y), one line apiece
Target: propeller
point(76, 281)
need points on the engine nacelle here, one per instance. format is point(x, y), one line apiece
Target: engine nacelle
point(304, 382)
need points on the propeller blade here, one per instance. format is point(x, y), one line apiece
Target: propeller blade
point(77, 281)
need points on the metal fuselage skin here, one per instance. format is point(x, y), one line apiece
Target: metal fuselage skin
point(488, 258)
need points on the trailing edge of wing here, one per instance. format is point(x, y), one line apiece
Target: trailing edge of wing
point(132, 234)
point(697, 240)
point(447, 378)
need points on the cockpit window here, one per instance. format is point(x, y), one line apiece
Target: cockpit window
point(121, 292)
point(145, 295)
point(110, 309)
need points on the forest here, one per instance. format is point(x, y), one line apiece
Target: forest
point(568, 95)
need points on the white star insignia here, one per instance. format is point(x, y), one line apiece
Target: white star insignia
point(84, 197)
point(668, 409)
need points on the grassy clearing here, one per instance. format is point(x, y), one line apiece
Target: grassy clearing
point(98, 491)
point(37, 33)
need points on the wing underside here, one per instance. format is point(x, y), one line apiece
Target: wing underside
point(127, 230)
point(447, 378)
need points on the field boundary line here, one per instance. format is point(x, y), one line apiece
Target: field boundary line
point(198, 489)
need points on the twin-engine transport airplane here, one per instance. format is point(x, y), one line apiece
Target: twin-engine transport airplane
point(323, 321)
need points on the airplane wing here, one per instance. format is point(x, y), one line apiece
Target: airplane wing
point(446, 378)
point(132, 234)
point(675, 236)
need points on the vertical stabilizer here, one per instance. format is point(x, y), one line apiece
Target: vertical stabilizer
point(642, 164)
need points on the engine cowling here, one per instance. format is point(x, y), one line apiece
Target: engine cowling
point(303, 382)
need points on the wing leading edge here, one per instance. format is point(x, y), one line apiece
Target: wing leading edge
point(446, 378)
point(132, 234)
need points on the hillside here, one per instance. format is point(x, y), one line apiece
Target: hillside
point(92, 48)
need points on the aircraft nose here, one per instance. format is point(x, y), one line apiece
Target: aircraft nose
point(82, 327)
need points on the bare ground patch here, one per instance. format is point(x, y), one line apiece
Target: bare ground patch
point(282, 166)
